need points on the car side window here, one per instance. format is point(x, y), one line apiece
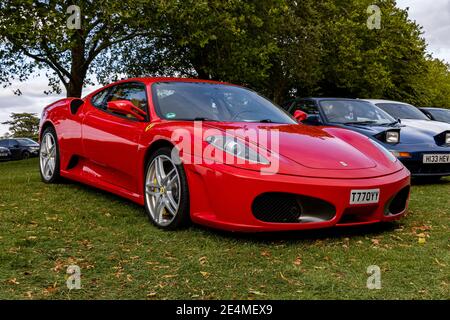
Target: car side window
point(307, 106)
point(13, 143)
point(4, 143)
point(99, 100)
point(132, 91)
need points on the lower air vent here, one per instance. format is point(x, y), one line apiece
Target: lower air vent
point(291, 208)
point(398, 202)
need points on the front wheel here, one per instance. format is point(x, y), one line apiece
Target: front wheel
point(49, 156)
point(25, 155)
point(166, 191)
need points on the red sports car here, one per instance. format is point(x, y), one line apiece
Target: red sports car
point(219, 155)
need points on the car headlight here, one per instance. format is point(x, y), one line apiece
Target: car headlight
point(384, 150)
point(447, 138)
point(233, 146)
point(392, 136)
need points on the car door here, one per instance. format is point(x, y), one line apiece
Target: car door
point(14, 147)
point(110, 140)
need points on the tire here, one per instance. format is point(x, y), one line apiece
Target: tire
point(426, 180)
point(49, 157)
point(166, 198)
point(25, 155)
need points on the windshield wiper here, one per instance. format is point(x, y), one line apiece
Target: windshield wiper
point(203, 119)
point(361, 122)
point(388, 124)
point(260, 121)
point(265, 121)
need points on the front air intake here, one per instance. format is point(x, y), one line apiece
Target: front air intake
point(398, 202)
point(291, 208)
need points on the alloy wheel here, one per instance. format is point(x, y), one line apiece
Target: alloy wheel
point(47, 156)
point(163, 190)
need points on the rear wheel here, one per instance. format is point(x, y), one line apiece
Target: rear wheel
point(166, 191)
point(49, 156)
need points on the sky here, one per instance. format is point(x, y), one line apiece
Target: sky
point(432, 15)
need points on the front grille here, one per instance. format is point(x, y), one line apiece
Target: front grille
point(398, 203)
point(358, 214)
point(425, 168)
point(291, 208)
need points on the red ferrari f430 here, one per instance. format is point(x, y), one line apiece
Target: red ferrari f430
point(219, 155)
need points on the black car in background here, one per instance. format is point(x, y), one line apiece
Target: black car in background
point(437, 114)
point(21, 148)
point(5, 154)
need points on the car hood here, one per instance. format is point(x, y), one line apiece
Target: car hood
point(429, 127)
point(325, 151)
point(420, 132)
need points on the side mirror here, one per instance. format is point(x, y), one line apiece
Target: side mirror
point(313, 119)
point(126, 107)
point(300, 115)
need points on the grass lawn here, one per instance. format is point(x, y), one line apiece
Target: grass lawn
point(45, 228)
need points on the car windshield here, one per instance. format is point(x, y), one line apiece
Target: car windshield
point(214, 102)
point(402, 111)
point(440, 115)
point(354, 112)
point(27, 142)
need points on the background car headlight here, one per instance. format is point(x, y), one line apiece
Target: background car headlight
point(447, 138)
point(384, 150)
point(392, 136)
point(232, 145)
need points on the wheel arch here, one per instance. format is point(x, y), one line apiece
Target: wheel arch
point(46, 125)
point(155, 145)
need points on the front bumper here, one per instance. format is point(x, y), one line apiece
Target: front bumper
point(415, 162)
point(222, 196)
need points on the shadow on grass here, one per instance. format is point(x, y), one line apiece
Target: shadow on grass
point(308, 235)
point(300, 235)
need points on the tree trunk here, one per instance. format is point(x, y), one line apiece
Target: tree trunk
point(78, 69)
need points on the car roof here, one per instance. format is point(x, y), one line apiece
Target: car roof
point(324, 99)
point(429, 108)
point(148, 80)
point(375, 101)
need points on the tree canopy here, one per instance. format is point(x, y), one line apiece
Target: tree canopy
point(282, 48)
point(23, 125)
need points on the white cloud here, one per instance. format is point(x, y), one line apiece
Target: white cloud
point(434, 16)
point(32, 99)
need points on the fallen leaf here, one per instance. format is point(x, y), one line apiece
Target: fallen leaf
point(205, 274)
point(375, 241)
point(298, 261)
point(266, 254)
point(13, 281)
point(203, 260)
point(257, 293)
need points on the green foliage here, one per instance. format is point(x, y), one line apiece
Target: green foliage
point(23, 125)
point(34, 37)
point(282, 48)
